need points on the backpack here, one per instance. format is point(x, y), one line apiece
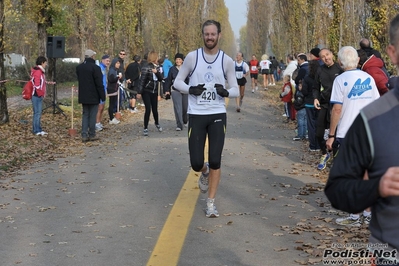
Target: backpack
point(295, 73)
point(299, 100)
point(27, 91)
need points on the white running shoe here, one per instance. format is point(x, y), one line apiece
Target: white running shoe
point(349, 221)
point(203, 181)
point(211, 211)
point(366, 219)
point(99, 127)
point(114, 121)
point(159, 127)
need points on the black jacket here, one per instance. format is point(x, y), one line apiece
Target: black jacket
point(302, 72)
point(133, 73)
point(324, 81)
point(173, 71)
point(113, 77)
point(147, 82)
point(90, 79)
point(307, 89)
point(370, 144)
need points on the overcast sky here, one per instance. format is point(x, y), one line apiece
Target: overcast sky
point(237, 14)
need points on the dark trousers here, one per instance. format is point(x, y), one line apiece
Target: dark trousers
point(312, 114)
point(151, 104)
point(89, 120)
point(323, 122)
point(201, 126)
point(113, 100)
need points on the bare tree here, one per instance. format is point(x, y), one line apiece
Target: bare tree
point(4, 117)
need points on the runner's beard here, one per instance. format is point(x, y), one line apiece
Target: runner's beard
point(212, 44)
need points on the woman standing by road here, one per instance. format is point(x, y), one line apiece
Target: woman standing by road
point(180, 100)
point(148, 90)
point(114, 75)
point(39, 91)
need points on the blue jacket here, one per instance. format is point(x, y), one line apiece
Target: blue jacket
point(104, 72)
point(166, 66)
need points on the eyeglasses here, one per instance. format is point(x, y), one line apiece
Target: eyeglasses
point(122, 53)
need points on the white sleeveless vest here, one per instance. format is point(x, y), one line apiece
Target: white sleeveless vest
point(209, 73)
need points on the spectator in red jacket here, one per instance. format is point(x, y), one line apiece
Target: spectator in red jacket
point(374, 67)
point(39, 91)
point(286, 97)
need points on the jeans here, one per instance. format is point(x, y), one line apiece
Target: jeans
point(302, 124)
point(89, 120)
point(311, 116)
point(37, 104)
point(275, 75)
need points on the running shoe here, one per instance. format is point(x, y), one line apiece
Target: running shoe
point(203, 181)
point(367, 219)
point(296, 138)
point(323, 161)
point(145, 132)
point(349, 221)
point(99, 127)
point(114, 121)
point(211, 211)
point(159, 127)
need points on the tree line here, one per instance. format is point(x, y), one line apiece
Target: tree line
point(280, 27)
point(276, 27)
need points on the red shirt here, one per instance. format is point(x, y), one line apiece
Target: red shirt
point(253, 66)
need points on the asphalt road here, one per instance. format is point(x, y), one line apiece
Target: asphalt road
point(109, 205)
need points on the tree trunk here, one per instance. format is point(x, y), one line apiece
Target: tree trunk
point(81, 29)
point(42, 39)
point(4, 117)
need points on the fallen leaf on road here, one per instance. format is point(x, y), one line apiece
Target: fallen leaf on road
point(280, 249)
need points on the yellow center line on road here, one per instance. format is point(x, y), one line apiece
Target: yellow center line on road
point(170, 242)
point(171, 239)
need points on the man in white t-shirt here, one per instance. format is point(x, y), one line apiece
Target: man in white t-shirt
point(351, 91)
point(208, 68)
point(242, 71)
point(292, 65)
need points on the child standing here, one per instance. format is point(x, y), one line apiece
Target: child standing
point(299, 105)
point(286, 96)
